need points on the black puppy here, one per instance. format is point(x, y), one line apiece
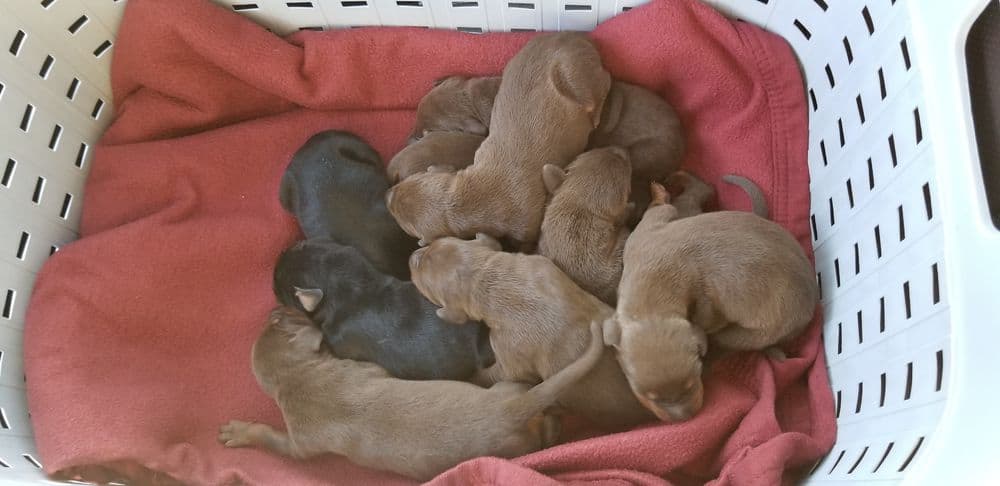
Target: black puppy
point(335, 186)
point(368, 316)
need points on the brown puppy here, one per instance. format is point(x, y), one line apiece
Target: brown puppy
point(633, 118)
point(730, 278)
point(584, 230)
point(648, 127)
point(692, 194)
point(456, 104)
point(453, 150)
point(538, 320)
point(415, 428)
point(549, 100)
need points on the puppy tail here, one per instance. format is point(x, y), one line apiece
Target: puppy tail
point(757, 200)
point(544, 394)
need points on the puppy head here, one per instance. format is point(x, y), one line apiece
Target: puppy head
point(576, 73)
point(599, 180)
point(448, 106)
point(315, 274)
point(442, 271)
point(289, 337)
point(662, 361)
point(421, 203)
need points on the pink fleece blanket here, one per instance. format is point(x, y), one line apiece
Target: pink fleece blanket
point(138, 337)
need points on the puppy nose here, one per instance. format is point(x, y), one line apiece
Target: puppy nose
point(680, 413)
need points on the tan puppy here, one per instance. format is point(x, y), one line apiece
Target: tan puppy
point(454, 150)
point(415, 428)
point(730, 278)
point(694, 194)
point(648, 127)
point(633, 118)
point(584, 230)
point(538, 320)
point(456, 104)
point(549, 100)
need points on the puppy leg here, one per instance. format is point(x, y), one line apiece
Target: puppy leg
point(243, 434)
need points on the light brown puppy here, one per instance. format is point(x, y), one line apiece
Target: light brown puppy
point(584, 229)
point(538, 320)
point(415, 428)
point(633, 118)
point(732, 279)
point(456, 104)
point(648, 127)
point(454, 150)
point(549, 100)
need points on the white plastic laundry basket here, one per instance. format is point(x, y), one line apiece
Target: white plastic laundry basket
point(906, 254)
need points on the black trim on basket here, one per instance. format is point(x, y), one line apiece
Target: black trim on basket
point(470, 30)
point(919, 130)
point(354, 3)
point(8, 172)
point(909, 381)
point(53, 249)
point(861, 109)
point(906, 299)
point(913, 453)
point(101, 49)
point(15, 46)
point(871, 175)
point(857, 403)
point(927, 200)
point(884, 456)
point(829, 76)
point(244, 6)
point(856, 463)
point(833, 220)
point(77, 24)
point(46, 66)
point(906, 53)
point(29, 110)
point(838, 404)
point(812, 97)
point(939, 356)
point(409, 3)
point(36, 196)
point(67, 201)
point(56, 135)
point(934, 283)
point(861, 330)
point(46, 3)
point(822, 150)
point(837, 462)
point(881, 314)
point(840, 338)
point(524, 5)
point(73, 86)
point(574, 7)
point(850, 193)
point(464, 4)
point(840, 127)
point(812, 221)
point(878, 242)
point(22, 246)
point(868, 20)
point(892, 149)
point(31, 460)
point(836, 270)
point(8, 304)
point(881, 83)
point(819, 284)
point(857, 259)
point(523, 30)
point(821, 4)
point(902, 223)
point(299, 4)
point(847, 50)
point(805, 32)
point(881, 396)
point(81, 155)
point(98, 106)
point(3, 414)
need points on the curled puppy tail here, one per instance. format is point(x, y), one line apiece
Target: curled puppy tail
point(544, 394)
point(757, 201)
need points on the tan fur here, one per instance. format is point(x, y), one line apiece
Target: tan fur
point(739, 279)
point(453, 150)
point(549, 100)
point(538, 320)
point(456, 104)
point(584, 230)
point(694, 194)
point(414, 428)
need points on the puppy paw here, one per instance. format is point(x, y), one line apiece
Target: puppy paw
point(775, 353)
point(237, 434)
point(658, 194)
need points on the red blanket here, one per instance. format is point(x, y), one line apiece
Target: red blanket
point(137, 345)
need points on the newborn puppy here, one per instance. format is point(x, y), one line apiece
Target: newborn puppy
point(453, 150)
point(732, 279)
point(456, 104)
point(584, 230)
point(549, 100)
point(368, 316)
point(538, 320)
point(414, 428)
point(335, 186)
point(648, 128)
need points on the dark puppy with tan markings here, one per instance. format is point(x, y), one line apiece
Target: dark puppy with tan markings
point(729, 279)
point(584, 230)
point(414, 428)
point(549, 100)
point(368, 316)
point(538, 320)
point(335, 186)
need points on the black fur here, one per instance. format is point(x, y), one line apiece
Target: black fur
point(368, 316)
point(335, 186)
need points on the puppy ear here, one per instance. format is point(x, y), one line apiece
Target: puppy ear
point(612, 331)
point(700, 340)
point(309, 298)
point(453, 316)
point(309, 337)
point(553, 176)
point(489, 241)
point(439, 169)
point(574, 83)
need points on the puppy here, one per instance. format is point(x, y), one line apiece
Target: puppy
point(549, 100)
point(583, 231)
point(632, 117)
point(414, 428)
point(456, 104)
point(538, 320)
point(335, 186)
point(454, 150)
point(648, 128)
point(369, 316)
point(732, 279)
